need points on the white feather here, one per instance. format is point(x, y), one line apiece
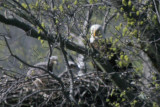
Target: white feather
point(93, 29)
point(91, 39)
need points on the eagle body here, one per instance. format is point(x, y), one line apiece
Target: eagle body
point(39, 77)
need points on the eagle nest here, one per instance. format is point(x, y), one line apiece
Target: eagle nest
point(90, 89)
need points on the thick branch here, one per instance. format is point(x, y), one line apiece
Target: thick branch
point(33, 33)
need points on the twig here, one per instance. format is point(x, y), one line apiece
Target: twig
point(69, 71)
point(107, 21)
point(156, 11)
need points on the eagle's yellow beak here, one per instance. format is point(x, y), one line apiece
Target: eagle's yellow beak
point(94, 34)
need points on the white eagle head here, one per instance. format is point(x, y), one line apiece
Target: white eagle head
point(54, 60)
point(96, 32)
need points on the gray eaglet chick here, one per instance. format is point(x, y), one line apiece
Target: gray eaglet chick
point(39, 76)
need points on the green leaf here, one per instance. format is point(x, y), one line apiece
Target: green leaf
point(61, 8)
point(120, 64)
point(124, 2)
point(124, 15)
point(39, 38)
point(114, 49)
point(31, 6)
point(126, 58)
point(124, 31)
point(137, 13)
point(157, 86)
point(117, 105)
point(75, 2)
point(133, 8)
point(42, 41)
point(130, 14)
point(123, 93)
point(91, 1)
point(121, 9)
point(117, 28)
point(139, 1)
point(107, 100)
point(112, 92)
point(155, 104)
point(111, 39)
point(129, 3)
point(24, 5)
point(121, 57)
point(154, 78)
point(117, 16)
point(123, 99)
point(37, 4)
point(42, 24)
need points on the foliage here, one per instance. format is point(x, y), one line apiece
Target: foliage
point(125, 58)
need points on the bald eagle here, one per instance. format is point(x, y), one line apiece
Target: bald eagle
point(96, 33)
point(40, 81)
point(97, 37)
point(99, 45)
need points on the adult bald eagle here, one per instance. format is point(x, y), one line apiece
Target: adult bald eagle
point(96, 33)
point(40, 76)
point(98, 43)
point(97, 37)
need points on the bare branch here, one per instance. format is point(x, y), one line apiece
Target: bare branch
point(33, 33)
point(69, 72)
point(158, 15)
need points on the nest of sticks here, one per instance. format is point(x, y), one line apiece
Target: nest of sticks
point(90, 89)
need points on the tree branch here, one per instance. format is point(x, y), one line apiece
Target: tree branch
point(158, 15)
point(33, 33)
point(69, 72)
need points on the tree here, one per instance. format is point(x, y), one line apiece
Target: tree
point(128, 63)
